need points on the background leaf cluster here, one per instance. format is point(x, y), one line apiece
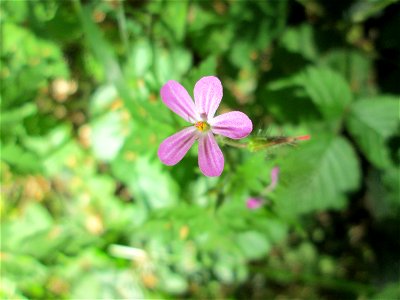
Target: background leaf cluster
point(89, 212)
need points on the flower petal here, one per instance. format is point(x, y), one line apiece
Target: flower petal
point(175, 96)
point(211, 160)
point(174, 148)
point(234, 125)
point(207, 96)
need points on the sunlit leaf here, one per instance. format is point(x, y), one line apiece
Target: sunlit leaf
point(315, 177)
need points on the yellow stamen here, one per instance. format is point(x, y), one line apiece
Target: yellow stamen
point(201, 126)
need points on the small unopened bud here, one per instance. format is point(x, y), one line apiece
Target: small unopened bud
point(254, 203)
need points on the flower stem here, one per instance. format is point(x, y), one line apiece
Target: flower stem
point(233, 143)
point(257, 144)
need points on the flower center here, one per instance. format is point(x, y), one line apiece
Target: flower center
point(201, 126)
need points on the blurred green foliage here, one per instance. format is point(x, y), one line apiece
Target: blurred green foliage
point(89, 212)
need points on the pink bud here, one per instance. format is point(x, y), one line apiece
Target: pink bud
point(254, 203)
point(274, 179)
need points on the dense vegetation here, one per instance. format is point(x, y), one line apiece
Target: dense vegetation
point(89, 211)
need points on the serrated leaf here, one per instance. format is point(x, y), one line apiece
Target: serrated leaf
point(371, 122)
point(316, 176)
point(354, 65)
point(327, 90)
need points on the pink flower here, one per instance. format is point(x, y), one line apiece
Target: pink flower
point(207, 97)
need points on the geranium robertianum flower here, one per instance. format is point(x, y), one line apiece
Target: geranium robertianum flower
point(207, 97)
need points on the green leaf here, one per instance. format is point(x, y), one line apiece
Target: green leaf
point(327, 90)
point(353, 65)
point(19, 158)
point(316, 176)
point(48, 144)
point(107, 57)
point(30, 234)
point(147, 181)
point(15, 11)
point(253, 244)
point(26, 69)
point(362, 10)
point(173, 283)
point(207, 67)
point(390, 291)
point(23, 269)
point(171, 63)
point(383, 191)
point(252, 174)
point(17, 114)
point(107, 284)
point(109, 128)
point(175, 15)
point(57, 160)
point(229, 266)
point(371, 122)
point(107, 136)
point(140, 58)
point(8, 288)
point(300, 40)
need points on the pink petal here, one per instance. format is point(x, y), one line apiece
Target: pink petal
point(234, 125)
point(174, 148)
point(211, 160)
point(207, 96)
point(175, 96)
point(254, 203)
